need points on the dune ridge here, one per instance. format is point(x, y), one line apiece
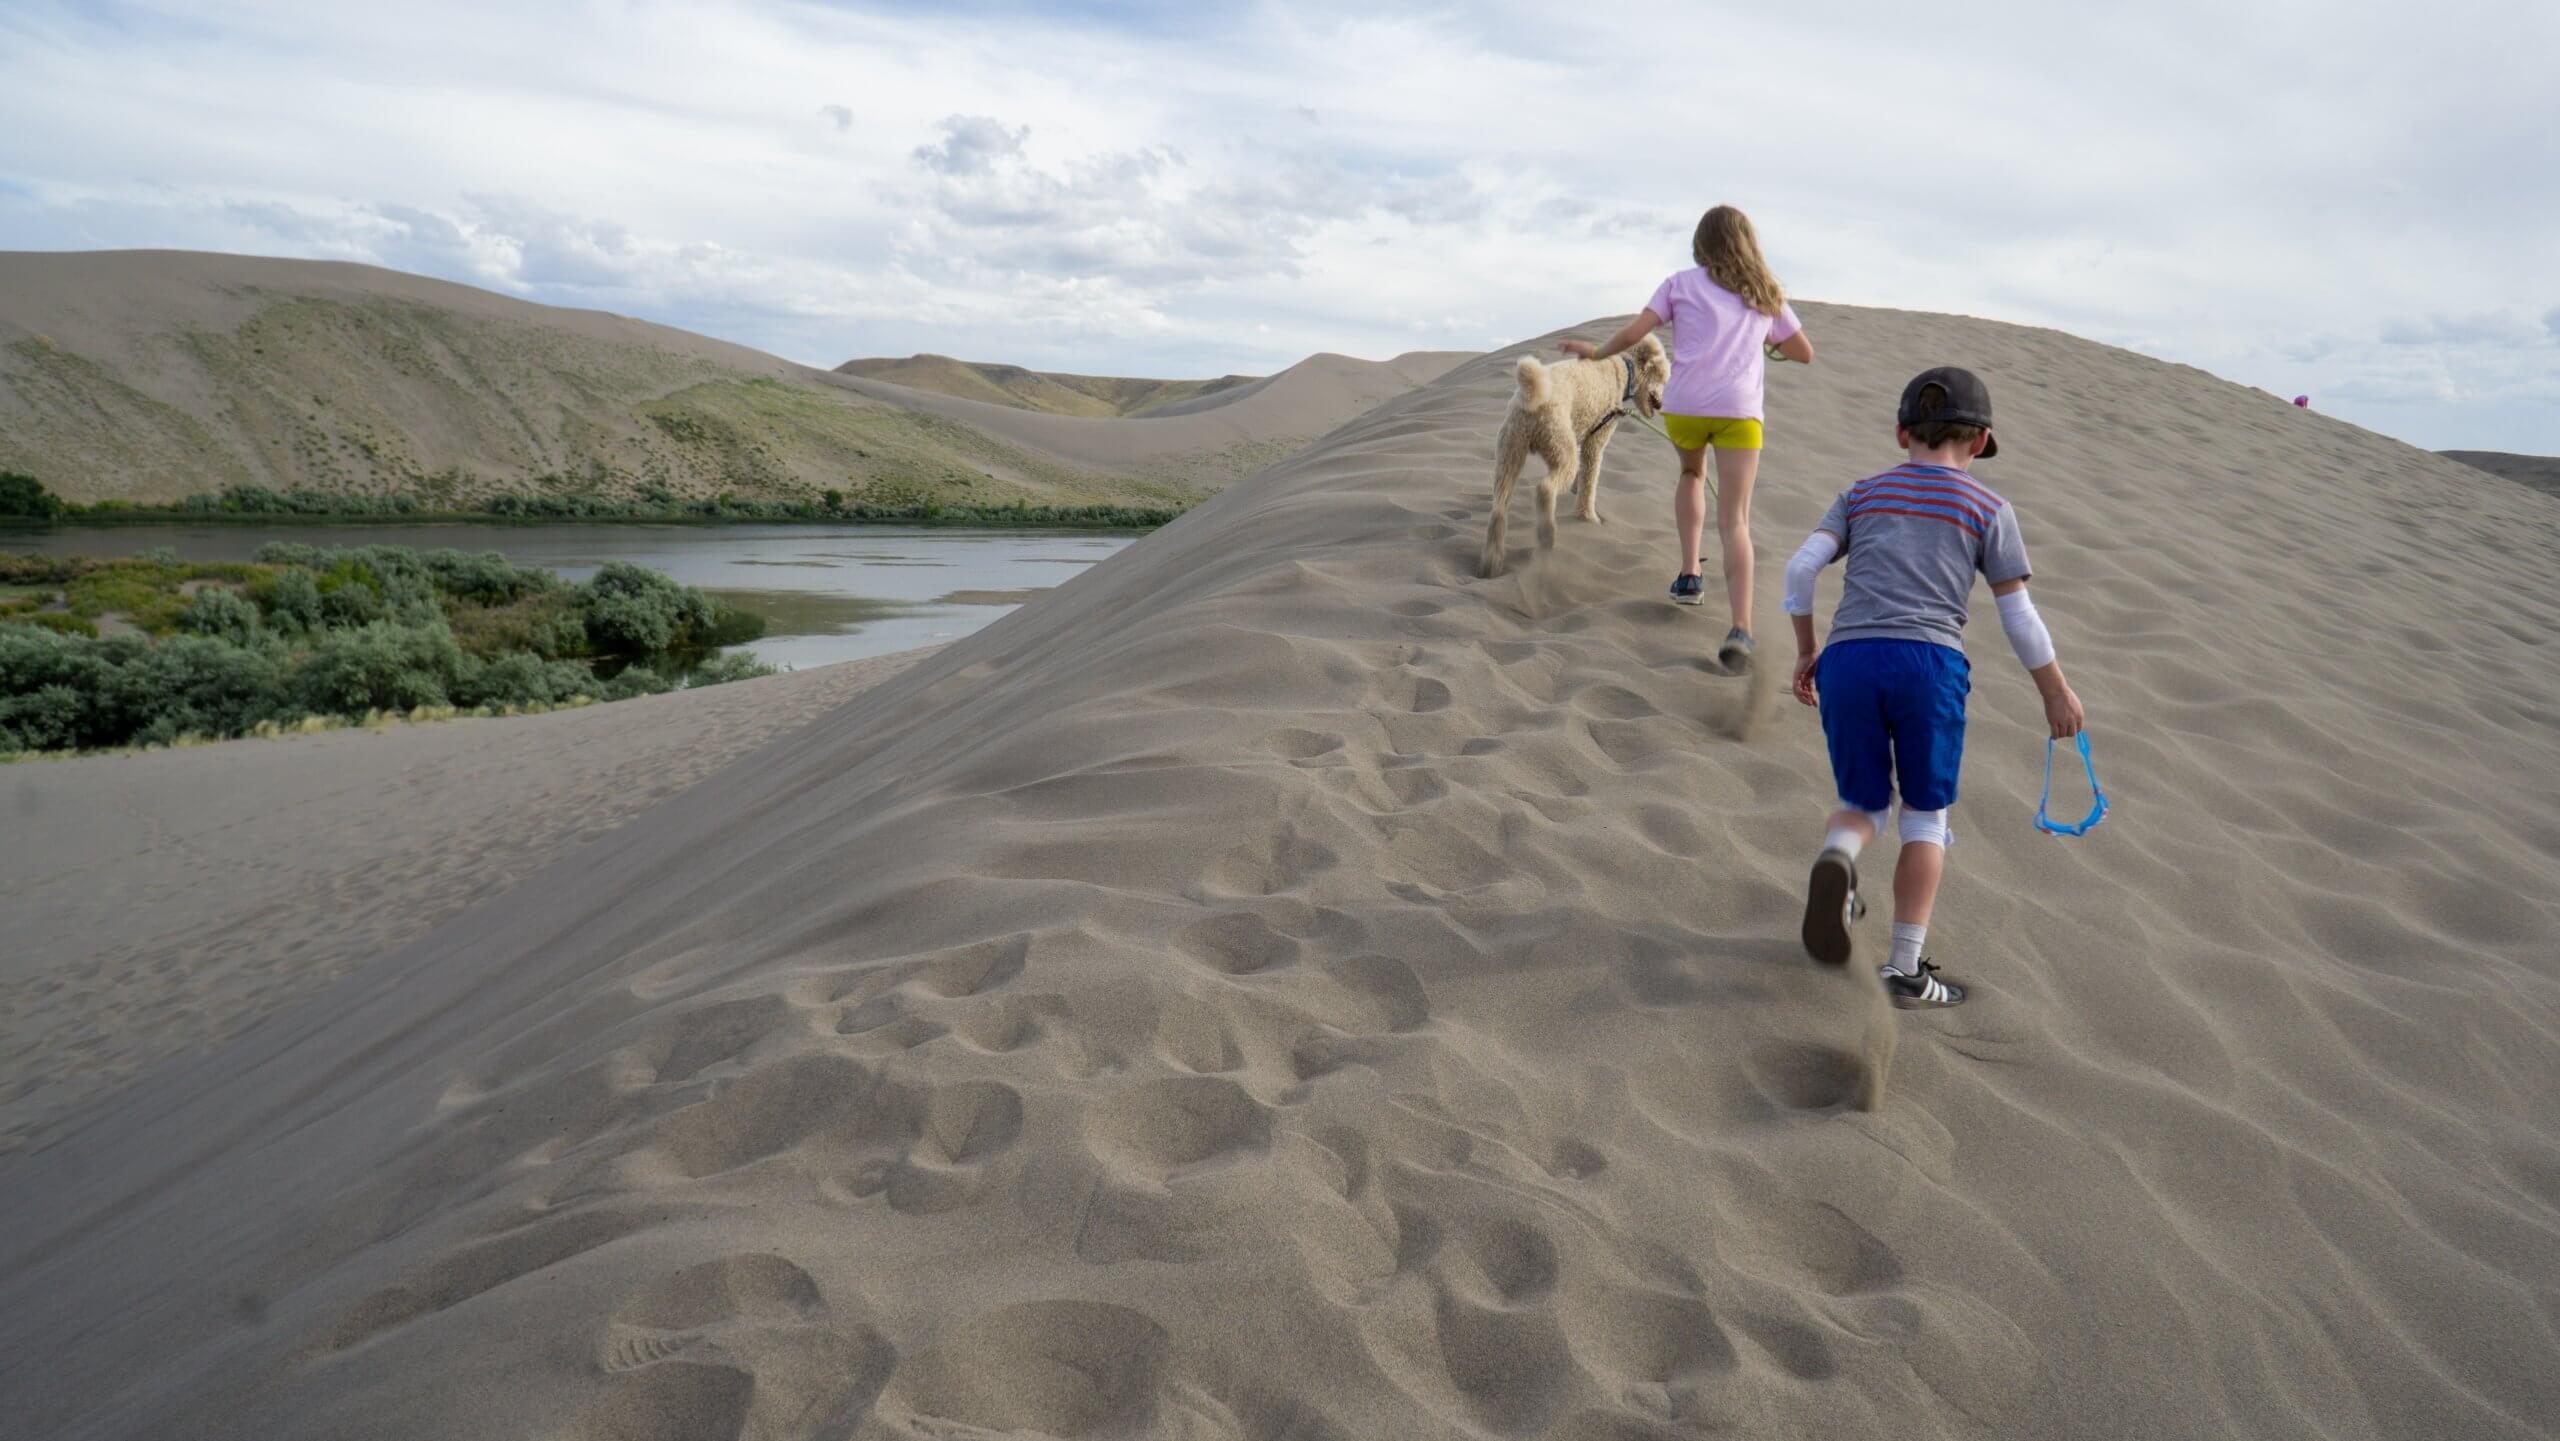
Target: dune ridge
point(1042, 390)
point(1281, 987)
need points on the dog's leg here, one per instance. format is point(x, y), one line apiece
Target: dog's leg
point(1587, 485)
point(1555, 446)
point(1510, 457)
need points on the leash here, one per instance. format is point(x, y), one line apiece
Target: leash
point(1626, 408)
point(1626, 399)
point(2097, 797)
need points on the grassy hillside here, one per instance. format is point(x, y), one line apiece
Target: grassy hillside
point(147, 376)
point(2542, 472)
point(1053, 393)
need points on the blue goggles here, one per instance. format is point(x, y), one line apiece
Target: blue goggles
point(2097, 798)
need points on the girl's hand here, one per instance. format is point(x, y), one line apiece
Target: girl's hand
point(1579, 349)
point(1804, 677)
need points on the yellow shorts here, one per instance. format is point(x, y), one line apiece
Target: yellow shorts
point(1697, 432)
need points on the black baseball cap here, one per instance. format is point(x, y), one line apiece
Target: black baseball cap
point(1967, 402)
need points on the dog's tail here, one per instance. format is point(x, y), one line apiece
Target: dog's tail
point(1533, 381)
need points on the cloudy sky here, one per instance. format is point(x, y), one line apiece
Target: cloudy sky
point(2328, 196)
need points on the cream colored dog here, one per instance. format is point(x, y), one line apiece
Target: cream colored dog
point(1565, 414)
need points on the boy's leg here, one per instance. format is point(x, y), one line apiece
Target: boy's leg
point(1927, 717)
point(1853, 723)
point(1916, 873)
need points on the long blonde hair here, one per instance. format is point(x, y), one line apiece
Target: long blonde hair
point(1730, 250)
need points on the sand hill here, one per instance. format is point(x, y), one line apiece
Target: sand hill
point(2542, 472)
point(1048, 391)
point(1282, 987)
point(152, 375)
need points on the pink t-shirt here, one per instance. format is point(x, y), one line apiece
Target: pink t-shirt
point(1716, 364)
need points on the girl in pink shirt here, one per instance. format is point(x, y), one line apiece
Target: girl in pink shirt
point(1724, 314)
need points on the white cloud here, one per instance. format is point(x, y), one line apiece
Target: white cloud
point(2353, 211)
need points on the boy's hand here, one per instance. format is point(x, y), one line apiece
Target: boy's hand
point(1804, 677)
point(2062, 712)
point(1579, 349)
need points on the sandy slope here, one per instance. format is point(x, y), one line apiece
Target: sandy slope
point(152, 375)
point(1282, 987)
point(161, 903)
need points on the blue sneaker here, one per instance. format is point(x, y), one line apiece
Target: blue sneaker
point(1688, 590)
point(1735, 653)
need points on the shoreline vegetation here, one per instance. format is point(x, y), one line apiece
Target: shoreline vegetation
point(26, 502)
point(149, 650)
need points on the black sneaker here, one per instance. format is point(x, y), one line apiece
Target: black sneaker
point(1688, 590)
point(1831, 906)
point(1735, 653)
point(1920, 992)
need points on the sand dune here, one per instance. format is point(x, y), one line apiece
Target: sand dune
point(153, 375)
point(1049, 391)
point(1256, 423)
point(161, 903)
point(1281, 987)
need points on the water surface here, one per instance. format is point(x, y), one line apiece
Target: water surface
point(827, 593)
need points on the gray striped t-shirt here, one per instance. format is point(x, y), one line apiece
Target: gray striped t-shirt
point(1911, 541)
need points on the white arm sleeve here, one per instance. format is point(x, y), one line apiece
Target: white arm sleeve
point(1818, 550)
point(2027, 635)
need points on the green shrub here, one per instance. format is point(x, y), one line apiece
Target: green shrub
point(522, 679)
point(379, 667)
point(337, 632)
point(23, 497)
point(223, 614)
point(127, 690)
point(53, 620)
point(724, 668)
point(630, 610)
point(143, 591)
point(289, 599)
point(185, 685)
point(45, 719)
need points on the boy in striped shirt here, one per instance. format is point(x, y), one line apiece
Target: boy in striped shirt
point(1893, 680)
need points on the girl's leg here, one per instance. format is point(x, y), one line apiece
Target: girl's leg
point(1735, 470)
point(1689, 509)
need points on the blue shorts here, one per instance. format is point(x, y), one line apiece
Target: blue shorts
point(1894, 709)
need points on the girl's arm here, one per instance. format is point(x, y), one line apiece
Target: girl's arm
point(1796, 348)
point(1636, 329)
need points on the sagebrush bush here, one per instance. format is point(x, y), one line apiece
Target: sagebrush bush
point(313, 632)
point(223, 614)
point(379, 666)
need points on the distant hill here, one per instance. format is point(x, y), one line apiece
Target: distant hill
point(2542, 472)
point(1056, 394)
point(153, 375)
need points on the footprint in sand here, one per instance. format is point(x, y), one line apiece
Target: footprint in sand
point(1046, 1368)
point(741, 1346)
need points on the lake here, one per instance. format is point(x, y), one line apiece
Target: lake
point(827, 592)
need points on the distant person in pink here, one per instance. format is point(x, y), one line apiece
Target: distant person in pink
point(1726, 314)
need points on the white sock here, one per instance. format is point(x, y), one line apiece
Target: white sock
point(1906, 948)
point(1841, 838)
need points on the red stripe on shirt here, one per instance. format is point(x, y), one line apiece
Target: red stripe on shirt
point(1949, 474)
point(1921, 490)
point(1957, 521)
